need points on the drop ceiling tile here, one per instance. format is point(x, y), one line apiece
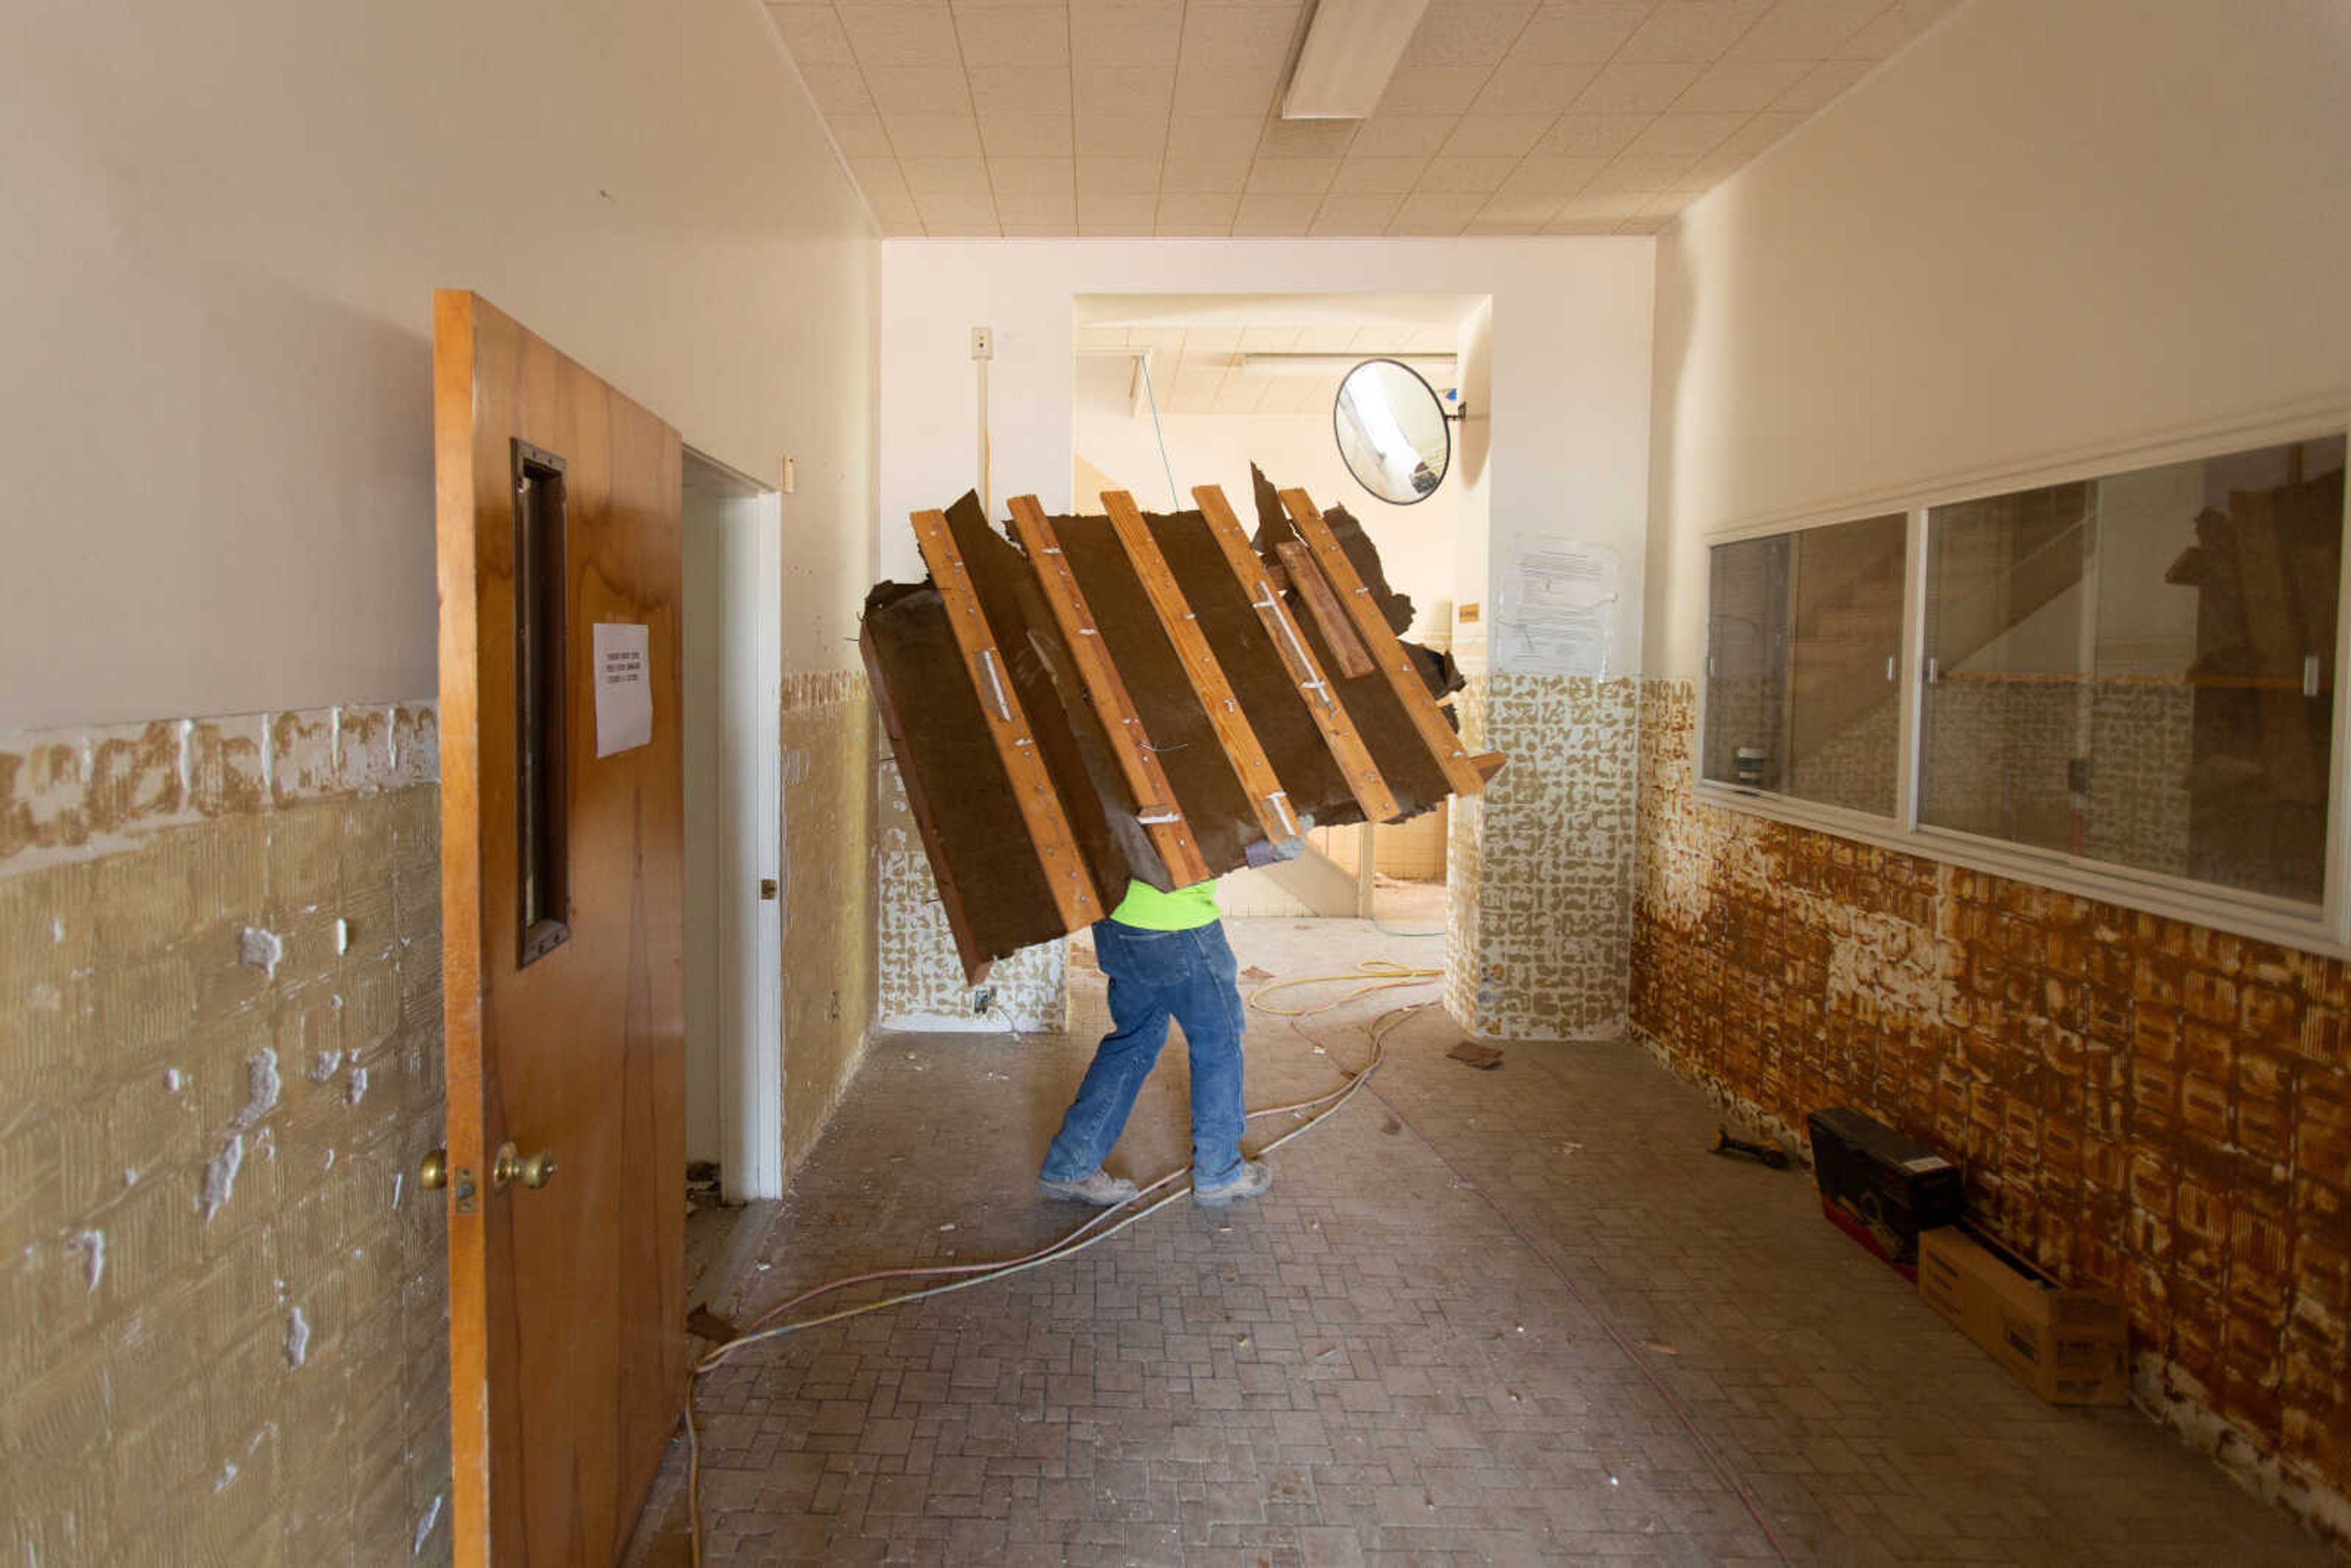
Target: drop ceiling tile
point(1644, 87)
point(893, 38)
point(933, 135)
point(1032, 177)
point(1281, 214)
point(1593, 135)
point(1095, 209)
point(1432, 339)
point(1367, 176)
point(1215, 89)
point(920, 90)
point(1821, 84)
point(1922, 14)
point(1142, 134)
point(1118, 177)
point(929, 177)
point(813, 33)
point(1240, 394)
point(1630, 173)
point(1461, 33)
point(1200, 213)
point(880, 179)
point(1547, 177)
point(1805, 29)
point(1020, 89)
point(1693, 30)
point(1102, 229)
point(1578, 35)
point(1327, 337)
point(957, 215)
point(1666, 203)
point(1572, 227)
point(1385, 135)
point(1208, 341)
point(1268, 340)
point(1428, 212)
point(1464, 177)
point(1732, 87)
point(1614, 206)
point(1496, 135)
point(1432, 90)
point(1879, 39)
point(859, 135)
point(1524, 214)
point(1208, 155)
point(1039, 231)
point(1290, 177)
point(1028, 135)
point(1102, 36)
point(837, 89)
point(900, 225)
point(1361, 214)
point(1684, 135)
point(1306, 138)
point(1037, 210)
point(1517, 87)
point(1122, 90)
point(1014, 36)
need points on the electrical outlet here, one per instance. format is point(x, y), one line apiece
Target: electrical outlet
point(983, 343)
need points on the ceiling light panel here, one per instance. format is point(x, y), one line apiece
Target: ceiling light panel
point(1352, 49)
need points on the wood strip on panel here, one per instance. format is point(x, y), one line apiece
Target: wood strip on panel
point(1259, 781)
point(1130, 742)
point(1387, 653)
point(1040, 806)
point(1362, 775)
point(1346, 648)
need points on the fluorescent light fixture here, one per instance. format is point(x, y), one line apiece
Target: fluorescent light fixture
point(1352, 49)
point(1436, 368)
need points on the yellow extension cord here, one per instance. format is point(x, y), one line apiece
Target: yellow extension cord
point(1380, 975)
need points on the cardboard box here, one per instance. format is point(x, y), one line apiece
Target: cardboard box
point(1880, 1187)
point(2069, 1345)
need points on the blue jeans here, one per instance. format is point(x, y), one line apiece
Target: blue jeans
point(1188, 976)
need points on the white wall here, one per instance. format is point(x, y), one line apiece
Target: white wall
point(219, 230)
point(1417, 543)
point(2045, 233)
point(1569, 366)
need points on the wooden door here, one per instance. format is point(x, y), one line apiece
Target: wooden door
point(562, 907)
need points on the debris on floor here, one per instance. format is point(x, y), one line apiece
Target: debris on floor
point(1879, 1187)
point(702, 1189)
point(707, 1325)
point(1483, 1057)
point(1254, 973)
point(1740, 1148)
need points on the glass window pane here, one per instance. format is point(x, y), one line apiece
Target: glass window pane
point(2139, 669)
point(1803, 633)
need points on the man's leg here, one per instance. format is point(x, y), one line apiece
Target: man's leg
point(1208, 1005)
point(1138, 1014)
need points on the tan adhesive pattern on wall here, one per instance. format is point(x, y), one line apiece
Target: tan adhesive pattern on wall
point(920, 978)
point(2137, 1103)
point(829, 741)
point(1540, 865)
point(222, 1294)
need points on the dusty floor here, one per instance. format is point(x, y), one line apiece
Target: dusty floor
point(1510, 1316)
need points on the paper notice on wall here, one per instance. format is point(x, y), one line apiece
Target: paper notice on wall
point(1556, 613)
point(625, 692)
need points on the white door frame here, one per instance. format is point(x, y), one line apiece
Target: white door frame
point(749, 832)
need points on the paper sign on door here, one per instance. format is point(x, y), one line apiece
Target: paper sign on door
point(624, 693)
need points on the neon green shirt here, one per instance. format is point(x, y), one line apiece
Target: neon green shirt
point(1186, 909)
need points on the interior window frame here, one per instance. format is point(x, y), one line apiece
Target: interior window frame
point(2324, 928)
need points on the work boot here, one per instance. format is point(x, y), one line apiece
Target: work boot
point(1251, 1180)
point(1102, 1190)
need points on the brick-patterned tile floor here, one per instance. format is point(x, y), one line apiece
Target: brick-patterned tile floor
point(1484, 1317)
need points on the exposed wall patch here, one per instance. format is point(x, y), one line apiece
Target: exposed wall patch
point(260, 950)
point(424, 1528)
point(220, 1176)
point(91, 1245)
point(262, 1088)
point(297, 1338)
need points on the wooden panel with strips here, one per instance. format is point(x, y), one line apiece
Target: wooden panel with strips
point(1156, 809)
point(1266, 797)
point(1321, 700)
point(1074, 893)
point(1386, 652)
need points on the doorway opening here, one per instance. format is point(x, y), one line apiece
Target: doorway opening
point(732, 548)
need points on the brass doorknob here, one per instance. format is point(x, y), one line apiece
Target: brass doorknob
point(434, 1169)
point(533, 1171)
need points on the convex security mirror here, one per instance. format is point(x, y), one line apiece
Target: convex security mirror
point(1393, 431)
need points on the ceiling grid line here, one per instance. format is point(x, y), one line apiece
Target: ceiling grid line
point(1505, 116)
